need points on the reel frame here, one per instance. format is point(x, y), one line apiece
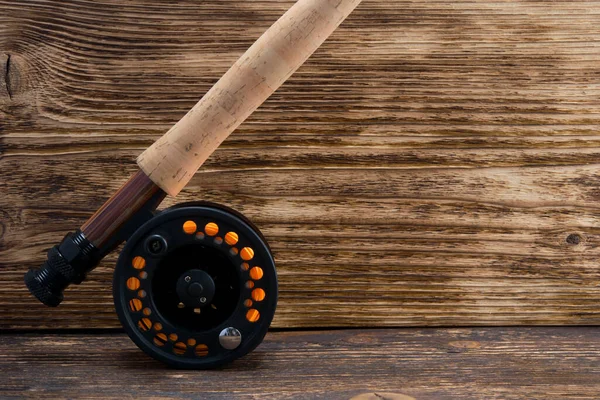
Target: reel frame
point(221, 235)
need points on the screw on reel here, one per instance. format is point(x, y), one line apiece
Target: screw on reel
point(195, 286)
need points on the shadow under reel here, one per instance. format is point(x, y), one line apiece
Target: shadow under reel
point(195, 286)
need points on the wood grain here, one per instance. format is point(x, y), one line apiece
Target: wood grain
point(433, 163)
point(401, 364)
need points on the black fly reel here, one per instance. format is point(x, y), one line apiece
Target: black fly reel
point(195, 286)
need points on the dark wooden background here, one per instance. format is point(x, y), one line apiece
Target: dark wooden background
point(434, 163)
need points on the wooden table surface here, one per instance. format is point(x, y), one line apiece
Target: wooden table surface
point(390, 364)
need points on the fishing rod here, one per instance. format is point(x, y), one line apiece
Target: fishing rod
point(195, 285)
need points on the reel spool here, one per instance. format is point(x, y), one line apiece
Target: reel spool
point(195, 286)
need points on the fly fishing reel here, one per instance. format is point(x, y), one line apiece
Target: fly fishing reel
point(195, 286)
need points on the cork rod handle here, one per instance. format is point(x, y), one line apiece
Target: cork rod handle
point(174, 158)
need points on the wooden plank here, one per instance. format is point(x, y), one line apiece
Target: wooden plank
point(490, 363)
point(434, 163)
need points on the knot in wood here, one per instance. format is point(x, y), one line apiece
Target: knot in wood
point(574, 239)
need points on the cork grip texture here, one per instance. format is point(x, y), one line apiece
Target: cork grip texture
point(174, 158)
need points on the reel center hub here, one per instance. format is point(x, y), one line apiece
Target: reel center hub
point(195, 288)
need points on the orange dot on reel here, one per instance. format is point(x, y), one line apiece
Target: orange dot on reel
point(252, 315)
point(138, 262)
point(201, 350)
point(211, 229)
point(231, 238)
point(256, 273)
point(258, 294)
point(189, 227)
point(135, 304)
point(247, 253)
point(133, 283)
point(160, 339)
